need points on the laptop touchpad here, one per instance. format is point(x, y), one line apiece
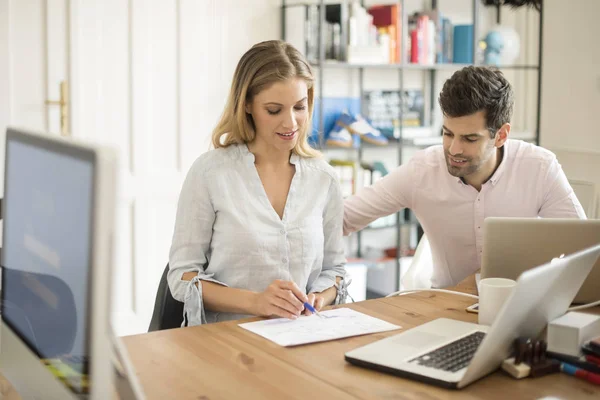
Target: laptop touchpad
point(418, 339)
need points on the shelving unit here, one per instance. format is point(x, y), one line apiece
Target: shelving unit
point(402, 217)
point(331, 64)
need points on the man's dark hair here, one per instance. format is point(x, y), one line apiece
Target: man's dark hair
point(474, 89)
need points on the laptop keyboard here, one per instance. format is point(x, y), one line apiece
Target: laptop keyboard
point(453, 356)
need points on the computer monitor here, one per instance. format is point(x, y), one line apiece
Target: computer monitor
point(58, 217)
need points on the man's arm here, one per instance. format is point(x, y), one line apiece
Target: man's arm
point(559, 199)
point(388, 195)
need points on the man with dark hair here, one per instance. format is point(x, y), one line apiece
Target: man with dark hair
point(477, 173)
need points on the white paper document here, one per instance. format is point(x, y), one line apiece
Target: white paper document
point(336, 324)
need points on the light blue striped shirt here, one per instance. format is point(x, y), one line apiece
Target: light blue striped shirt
point(227, 231)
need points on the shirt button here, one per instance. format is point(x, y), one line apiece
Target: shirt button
point(282, 231)
point(284, 259)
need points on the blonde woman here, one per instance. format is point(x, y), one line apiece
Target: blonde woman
point(259, 220)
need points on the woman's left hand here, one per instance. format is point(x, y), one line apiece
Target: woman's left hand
point(315, 300)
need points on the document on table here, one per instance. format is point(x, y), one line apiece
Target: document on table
point(336, 324)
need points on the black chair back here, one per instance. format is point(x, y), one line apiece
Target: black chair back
point(168, 312)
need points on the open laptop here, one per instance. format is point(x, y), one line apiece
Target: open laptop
point(454, 354)
point(514, 245)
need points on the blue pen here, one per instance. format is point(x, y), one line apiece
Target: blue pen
point(312, 309)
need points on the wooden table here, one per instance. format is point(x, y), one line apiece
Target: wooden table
point(221, 361)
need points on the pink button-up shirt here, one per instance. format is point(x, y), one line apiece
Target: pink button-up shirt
point(529, 182)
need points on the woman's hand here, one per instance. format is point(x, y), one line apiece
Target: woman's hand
point(281, 299)
point(315, 300)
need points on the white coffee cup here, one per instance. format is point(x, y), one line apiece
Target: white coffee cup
point(493, 292)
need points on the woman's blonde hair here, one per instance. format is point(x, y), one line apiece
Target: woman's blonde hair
point(263, 65)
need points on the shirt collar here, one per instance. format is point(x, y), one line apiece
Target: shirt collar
point(249, 157)
point(246, 153)
point(500, 170)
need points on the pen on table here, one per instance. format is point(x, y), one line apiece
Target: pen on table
point(580, 373)
point(592, 359)
point(312, 309)
point(577, 362)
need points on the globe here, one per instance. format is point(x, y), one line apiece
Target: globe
point(502, 45)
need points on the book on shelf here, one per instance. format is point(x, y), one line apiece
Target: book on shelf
point(388, 21)
point(373, 35)
point(430, 38)
point(302, 30)
point(352, 33)
point(382, 109)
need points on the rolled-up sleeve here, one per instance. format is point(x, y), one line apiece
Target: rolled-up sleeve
point(334, 261)
point(559, 199)
point(191, 243)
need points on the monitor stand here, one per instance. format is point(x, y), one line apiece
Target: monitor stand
point(23, 369)
point(126, 382)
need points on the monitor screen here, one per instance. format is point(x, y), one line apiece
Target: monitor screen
point(46, 288)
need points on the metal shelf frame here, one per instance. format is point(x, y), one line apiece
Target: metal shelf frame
point(401, 144)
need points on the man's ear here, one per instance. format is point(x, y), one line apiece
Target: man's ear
point(502, 135)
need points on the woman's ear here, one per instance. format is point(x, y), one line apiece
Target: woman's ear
point(248, 108)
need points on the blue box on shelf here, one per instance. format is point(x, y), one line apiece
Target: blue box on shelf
point(463, 44)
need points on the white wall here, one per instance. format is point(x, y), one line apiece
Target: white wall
point(571, 75)
point(570, 117)
point(150, 77)
point(4, 83)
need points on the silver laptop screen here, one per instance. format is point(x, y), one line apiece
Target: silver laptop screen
point(46, 251)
